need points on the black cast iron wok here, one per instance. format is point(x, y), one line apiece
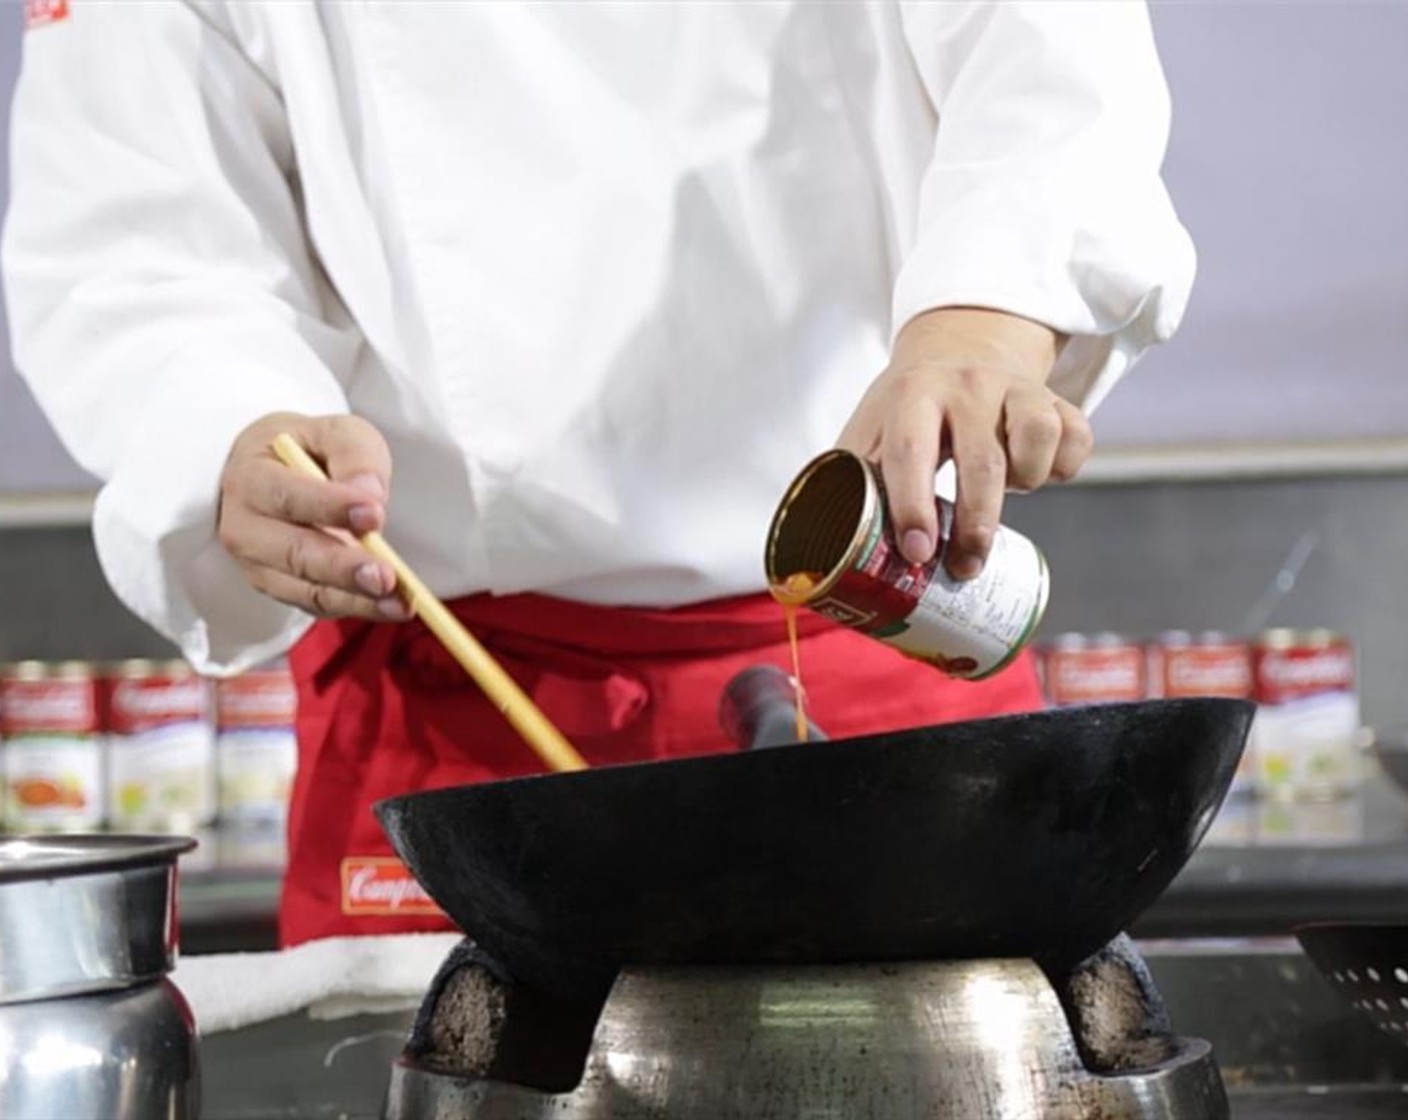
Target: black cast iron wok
point(1039, 836)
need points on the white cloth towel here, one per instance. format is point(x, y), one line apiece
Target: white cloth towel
point(330, 978)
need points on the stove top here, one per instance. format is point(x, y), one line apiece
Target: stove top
point(1268, 1014)
point(298, 1069)
point(891, 1041)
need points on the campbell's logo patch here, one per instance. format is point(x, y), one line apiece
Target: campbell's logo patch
point(381, 886)
point(41, 13)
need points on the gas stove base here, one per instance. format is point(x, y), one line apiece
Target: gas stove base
point(909, 1041)
point(1189, 1089)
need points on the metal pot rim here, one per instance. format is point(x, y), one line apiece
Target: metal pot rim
point(28, 857)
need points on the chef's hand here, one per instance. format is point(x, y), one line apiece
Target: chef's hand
point(967, 384)
point(274, 520)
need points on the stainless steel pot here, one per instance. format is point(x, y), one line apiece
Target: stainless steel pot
point(122, 1055)
point(90, 1029)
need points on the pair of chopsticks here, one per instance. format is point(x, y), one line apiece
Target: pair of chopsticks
point(520, 711)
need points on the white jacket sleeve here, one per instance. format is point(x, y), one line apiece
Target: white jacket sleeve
point(162, 297)
point(1044, 195)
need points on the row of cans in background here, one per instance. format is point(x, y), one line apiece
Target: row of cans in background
point(1305, 738)
point(141, 746)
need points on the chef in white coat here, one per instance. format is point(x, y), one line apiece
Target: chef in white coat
point(563, 295)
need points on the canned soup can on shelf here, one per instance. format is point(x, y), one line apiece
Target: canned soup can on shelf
point(51, 761)
point(1106, 668)
point(1210, 664)
point(833, 528)
point(161, 747)
point(255, 748)
point(1306, 732)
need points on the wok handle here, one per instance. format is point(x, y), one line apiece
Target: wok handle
point(525, 717)
point(758, 708)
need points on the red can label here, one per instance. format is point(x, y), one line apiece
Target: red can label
point(144, 703)
point(66, 705)
point(256, 700)
point(1205, 669)
point(880, 592)
point(1283, 674)
point(1103, 674)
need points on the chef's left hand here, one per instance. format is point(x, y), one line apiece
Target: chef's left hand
point(967, 384)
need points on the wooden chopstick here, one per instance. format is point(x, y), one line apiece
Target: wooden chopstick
point(520, 711)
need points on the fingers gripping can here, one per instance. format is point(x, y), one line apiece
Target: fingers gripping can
point(833, 527)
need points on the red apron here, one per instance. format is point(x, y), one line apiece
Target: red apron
point(383, 710)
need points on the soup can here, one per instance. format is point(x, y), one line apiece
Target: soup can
point(1307, 726)
point(1211, 663)
point(255, 745)
point(161, 747)
point(833, 527)
point(51, 759)
point(1086, 669)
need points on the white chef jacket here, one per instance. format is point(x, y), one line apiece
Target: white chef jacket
point(604, 275)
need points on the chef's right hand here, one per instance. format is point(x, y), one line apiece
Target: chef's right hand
point(275, 521)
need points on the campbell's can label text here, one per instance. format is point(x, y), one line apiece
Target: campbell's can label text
point(1100, 669)
point(1205, 666)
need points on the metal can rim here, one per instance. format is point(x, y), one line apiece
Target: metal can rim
point(130, 668)
point(140, 668)
point(1112, 639)
point(859, 536)
point(30, 669)
point(1288, 637)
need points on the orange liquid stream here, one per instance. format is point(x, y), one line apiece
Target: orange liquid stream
point(792, 593)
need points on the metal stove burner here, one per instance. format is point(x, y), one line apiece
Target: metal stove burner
point(983, 1040)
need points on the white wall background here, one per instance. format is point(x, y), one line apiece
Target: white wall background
point(1289, 163)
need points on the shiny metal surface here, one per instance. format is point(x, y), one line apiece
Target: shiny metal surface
point(127, 1055)
point(938, 1041)
point(43, 856)
point(85, 913)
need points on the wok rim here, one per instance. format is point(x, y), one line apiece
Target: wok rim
point(902, 737)
point(1102, 733)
